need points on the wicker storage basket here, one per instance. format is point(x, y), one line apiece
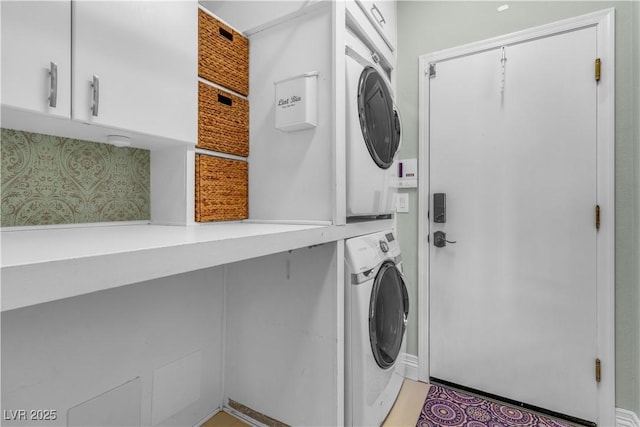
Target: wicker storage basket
point(221, 189)
point(223, 54)
point(223, 121)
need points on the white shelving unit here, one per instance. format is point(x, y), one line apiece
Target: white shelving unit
point(50, 264)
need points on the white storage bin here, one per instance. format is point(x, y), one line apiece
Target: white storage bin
point(297, 102)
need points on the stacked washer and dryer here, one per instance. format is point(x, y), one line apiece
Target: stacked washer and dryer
point(376, 298)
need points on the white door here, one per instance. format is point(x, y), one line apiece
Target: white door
point(36, 37)
point(144, 57)
point(513, 301)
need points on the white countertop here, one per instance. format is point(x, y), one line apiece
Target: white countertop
point(47, 264)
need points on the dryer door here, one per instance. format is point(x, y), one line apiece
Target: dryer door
point(388, 311)
point(379, 120)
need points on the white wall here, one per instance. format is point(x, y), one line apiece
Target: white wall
point(281, 354)
point(60, 354)
point(291, 173)
point(153, 353)
point(235, 12)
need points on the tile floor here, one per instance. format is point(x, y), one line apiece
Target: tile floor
point(406, 410)
point(404, 413)
point(222, 419)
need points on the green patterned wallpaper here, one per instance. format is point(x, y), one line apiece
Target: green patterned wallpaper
point(53, 180)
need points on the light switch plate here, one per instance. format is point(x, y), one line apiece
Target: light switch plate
point(402, 203)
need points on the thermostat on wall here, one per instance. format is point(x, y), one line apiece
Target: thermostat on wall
point(407, 176)
point(296, 102)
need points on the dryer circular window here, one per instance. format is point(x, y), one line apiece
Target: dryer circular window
point(379, 120)
point(388, 311)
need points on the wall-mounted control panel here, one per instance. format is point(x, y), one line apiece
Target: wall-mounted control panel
point(407, 173)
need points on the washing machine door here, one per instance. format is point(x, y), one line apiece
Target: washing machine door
point(379, 119)
point(388, 311)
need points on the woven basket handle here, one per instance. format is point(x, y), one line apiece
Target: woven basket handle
point(225, 100)
point(226, 34)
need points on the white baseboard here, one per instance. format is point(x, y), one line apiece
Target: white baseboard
point(411, 366)
point(626, 418)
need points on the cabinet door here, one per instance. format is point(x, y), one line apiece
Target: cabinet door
point(143, 56)
point(35, 34)
point(382, 14)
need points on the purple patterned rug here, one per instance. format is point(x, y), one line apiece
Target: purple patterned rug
point(446, 407)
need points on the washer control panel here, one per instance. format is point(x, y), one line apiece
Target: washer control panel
point(366, 252)
point(386, 243)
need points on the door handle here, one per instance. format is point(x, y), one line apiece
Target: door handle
point(95, 95)
point(440, 239)
point(380, 18)
point(53, 86)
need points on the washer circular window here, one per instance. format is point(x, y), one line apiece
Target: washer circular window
point(379, 120)
point(388, 311)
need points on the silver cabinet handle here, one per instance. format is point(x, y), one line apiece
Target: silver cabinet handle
point(95, 96)
point(53, 87)
point(380, 19)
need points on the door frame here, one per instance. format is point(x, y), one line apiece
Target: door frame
point(604, 22)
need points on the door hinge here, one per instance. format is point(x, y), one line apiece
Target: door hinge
point(597, 217)
point(432, 70)
point(598, 64)
point(598, 371)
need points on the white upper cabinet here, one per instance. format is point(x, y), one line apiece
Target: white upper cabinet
point(142, 56)
point(135, 66)
point(36, 56)
point(382, 14)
